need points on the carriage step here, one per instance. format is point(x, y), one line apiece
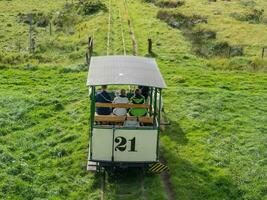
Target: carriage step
point(158, 168)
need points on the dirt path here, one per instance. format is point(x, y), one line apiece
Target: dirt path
point(165, 177)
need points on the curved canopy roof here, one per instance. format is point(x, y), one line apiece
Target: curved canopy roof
point(124, 70)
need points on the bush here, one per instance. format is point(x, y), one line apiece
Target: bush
point(38, 18)
point(169, 4)
point(178, 20)
point(66, 18)
point(89, 7)
point(202, 35)
point(149, 1)
point(13, 58)
point(254, 16)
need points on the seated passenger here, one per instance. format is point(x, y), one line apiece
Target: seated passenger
point(103, 97)
point(138, 98)
point(130, 94)
point(122, 98)
point(144, 91)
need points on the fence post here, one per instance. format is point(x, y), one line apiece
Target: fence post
point(87, 58)
point(229, 52)
point(89, 50)
point(18, 45)
point(149, 46)
point(263, 52)
point(30, 34)
point(50, 28)
point(33, 45)
point(89, 42)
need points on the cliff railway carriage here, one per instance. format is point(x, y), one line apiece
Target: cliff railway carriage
point(125, 141)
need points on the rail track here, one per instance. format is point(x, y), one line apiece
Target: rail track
point(127, 183)
point(123, 184)
point(118, 19)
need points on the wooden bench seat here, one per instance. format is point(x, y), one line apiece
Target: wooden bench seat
point(145, 119)
point(110, 118)
point(121, 119)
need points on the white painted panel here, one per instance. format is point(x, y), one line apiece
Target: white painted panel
point(145, 149)
point(102, 144)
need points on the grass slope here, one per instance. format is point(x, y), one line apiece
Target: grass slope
point(215, 146)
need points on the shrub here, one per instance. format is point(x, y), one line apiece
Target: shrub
point(13, 58)
point(169, 4)
point(89, 7)
point(66, 18)
point(178, 20)
point(248, 3)
point(202, 35)
point(38, 18)
point(149, 1)
point(254, 16)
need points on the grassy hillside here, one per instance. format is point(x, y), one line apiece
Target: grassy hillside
point(216, 144)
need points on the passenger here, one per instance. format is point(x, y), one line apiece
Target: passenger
point(122, 98)
point(138, 98)
point(103, 97)
point(144, 91)
point(130, 94)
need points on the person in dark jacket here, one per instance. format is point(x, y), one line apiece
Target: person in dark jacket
point(103, 97)
point(144, 91)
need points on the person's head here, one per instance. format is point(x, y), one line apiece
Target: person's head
point(104, 87)
point(137, 92)
point(123, 92)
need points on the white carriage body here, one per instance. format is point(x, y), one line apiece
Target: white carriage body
point(109, 145)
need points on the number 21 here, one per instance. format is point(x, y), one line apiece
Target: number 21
point(122, 144)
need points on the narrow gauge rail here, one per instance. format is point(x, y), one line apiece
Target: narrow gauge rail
point(127, 184)
point(123, 184)
point(112, 184)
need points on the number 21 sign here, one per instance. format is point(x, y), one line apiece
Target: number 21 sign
point(122, 144)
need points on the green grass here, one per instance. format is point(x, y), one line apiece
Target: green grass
point(216, 143)
point(43, 135)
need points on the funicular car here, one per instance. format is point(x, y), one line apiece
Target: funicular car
point(113, 140)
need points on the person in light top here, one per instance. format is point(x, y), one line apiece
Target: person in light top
point(122, 98)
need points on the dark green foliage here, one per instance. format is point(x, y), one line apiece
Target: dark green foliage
point(254, 16)
point(221, 48)
point(71, 14)
point(13, 58)
point(59, 107)
point(248, 3)
point(178, 20)
point(149, 1)
point(90, 7)
point(66, 17)
point(39, 19)
point(169, 4)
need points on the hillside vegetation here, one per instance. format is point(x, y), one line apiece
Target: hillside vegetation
point(210, 54)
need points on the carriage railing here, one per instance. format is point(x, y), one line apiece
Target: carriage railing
point(148, 120)
point(121, 105)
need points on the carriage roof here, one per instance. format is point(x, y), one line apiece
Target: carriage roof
point(124, 70)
